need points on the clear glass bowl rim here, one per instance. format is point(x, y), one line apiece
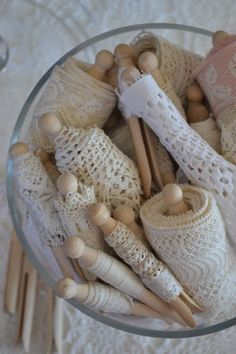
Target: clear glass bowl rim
point(13, 209)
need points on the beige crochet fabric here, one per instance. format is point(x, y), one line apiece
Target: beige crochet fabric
point(200, 163)
point(72, 210)
point(176, 63)
point(195, 247)
point(75, 97)
point(91, 156)
point(153, 272)
point(38, 192)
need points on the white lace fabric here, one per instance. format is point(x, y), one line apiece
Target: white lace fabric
point(108, 299)
point(38, 192)
point(209, 132)
point(91, 156)
point(153, 272)
point(176, 64)
point(200, 163)
point(194, 245)
point(75, 97)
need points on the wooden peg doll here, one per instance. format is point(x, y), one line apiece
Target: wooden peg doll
point(103, 298)
point(172, 197)
point(49, 166)
point(103, 63)
point(200, 119)
point(148, 63)
point(76, 151)
point(38, 192)
point(116, 274)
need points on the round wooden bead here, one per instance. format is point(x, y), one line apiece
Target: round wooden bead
point(130, 74)
point(172, 194)
point(18, 149)
point(147, 62)
point(219, 37)
point(197, 113)
point(50, 124)
point(66, 183)
point(123, 51)
point(124, 214)
point(104, 59)
point(66, 288)
point(194, 93)
point(74, 247)
point(98, 213)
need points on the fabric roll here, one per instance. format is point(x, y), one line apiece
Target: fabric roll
point(195, 247)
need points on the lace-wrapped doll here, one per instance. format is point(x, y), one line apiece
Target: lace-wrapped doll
point(189, 235)
point(79, 99)
point(200, 163)
point(71, 204)
point(176, 64)
point(217, 78)
point(38, 192)
point(91, 156)
point(103, 298)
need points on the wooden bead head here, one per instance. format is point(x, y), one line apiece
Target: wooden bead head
point(124, 51)
point(50, 124)
point(194, 93)
point(219, 37)
point(66, 183)
point(18, 149)
point(65, 288)
point(172, 194)
point(124, 214)
point(197, 113)
point(74, 247)
point(130, 74)
point(104, 59)
point(148, 62)
point(98, 213)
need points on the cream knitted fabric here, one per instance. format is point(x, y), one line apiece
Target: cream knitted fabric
point(209, 132)
point(91, 156)
point(201, 164)
point(108, 299)
point(153, 272)
point(176, 63)
point(76, 98)
point(73, 214)
point(38, 192)
point(195, 247)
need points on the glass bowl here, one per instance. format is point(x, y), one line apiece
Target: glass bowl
point(86, 51)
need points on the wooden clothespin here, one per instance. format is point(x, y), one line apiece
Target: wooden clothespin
point(103, 62)
point(172, 197)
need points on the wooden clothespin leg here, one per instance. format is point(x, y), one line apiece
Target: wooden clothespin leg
point(26, 304)
point(13, 274)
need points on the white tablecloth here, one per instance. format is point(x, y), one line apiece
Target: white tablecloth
point(38, 33)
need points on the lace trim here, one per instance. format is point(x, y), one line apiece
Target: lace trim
point(152, 272)
point(92, 157)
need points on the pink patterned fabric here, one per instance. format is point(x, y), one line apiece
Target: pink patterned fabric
point(217, 76)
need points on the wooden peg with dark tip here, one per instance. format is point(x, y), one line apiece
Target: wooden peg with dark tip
point(172, 197)
point(103, 62)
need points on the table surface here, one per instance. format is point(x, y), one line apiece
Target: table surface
point(38, 33)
